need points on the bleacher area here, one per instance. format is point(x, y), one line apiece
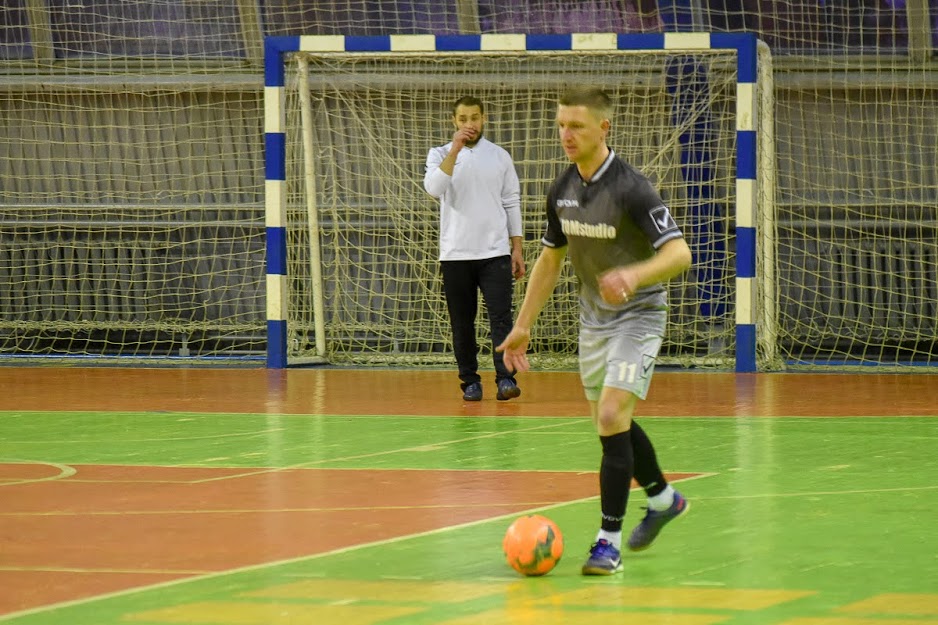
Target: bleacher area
point(132, 180)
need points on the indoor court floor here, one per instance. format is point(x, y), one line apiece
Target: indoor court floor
point(325, 496)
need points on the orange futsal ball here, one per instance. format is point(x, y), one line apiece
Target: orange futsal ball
point(533, 545)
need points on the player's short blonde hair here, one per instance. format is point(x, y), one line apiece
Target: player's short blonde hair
point(593, 98)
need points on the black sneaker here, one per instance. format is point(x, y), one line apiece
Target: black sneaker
point(472, 392)
point(507, 389)
point(646, 531)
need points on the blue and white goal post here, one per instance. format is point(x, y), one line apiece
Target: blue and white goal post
point(729, 222)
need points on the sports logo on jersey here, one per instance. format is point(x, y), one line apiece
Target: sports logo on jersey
point(562, 203)
point(663, 220)
point(591, 231)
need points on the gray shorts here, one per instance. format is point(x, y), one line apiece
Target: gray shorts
point(622, 357)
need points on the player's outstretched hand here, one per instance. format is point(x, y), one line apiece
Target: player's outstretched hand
point(515, 348)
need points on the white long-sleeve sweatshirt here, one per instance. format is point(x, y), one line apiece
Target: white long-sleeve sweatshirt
point(480, 204)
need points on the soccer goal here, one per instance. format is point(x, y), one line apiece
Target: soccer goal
point(352, 238)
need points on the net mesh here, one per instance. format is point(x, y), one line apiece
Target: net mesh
point(131, 223)
point(132, 167)
point(374, 119)
point(857, 257)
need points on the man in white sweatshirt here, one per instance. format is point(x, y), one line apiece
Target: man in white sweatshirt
point(480, 240)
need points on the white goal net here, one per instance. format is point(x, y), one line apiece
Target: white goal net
point(132, 169)
point(354, 190)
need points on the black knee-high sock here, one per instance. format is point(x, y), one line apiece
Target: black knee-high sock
point(647, 472)
point(615, 479)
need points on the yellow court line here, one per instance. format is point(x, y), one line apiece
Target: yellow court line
point(849, 620)
point(923, 604)
point(388, 590)
point(534, 616)
point(245, 613)
point(735, 599)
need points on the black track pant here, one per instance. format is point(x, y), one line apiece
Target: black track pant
point(462, 282)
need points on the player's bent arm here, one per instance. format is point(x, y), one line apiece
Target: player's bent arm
point(541, 284)
point(436, 181)
point(511, 199)
point(449, 163)
point(672, 259)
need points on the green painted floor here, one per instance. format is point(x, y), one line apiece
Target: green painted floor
point(795, 521)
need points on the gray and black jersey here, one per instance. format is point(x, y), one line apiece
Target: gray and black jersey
point(616, 218)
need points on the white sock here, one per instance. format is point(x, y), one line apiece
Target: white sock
point(663, 500)
point(615, 538)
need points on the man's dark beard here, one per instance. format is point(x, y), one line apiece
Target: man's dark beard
point(473, 143)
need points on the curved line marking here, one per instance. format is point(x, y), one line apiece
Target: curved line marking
point(65, 472)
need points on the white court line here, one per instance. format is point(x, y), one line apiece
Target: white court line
point(363, 508)
point(386, 452)
point(866, 491)
point(65, 471)
point(258, 567)
point(229, 511)
point(72, 569)
point(85, 441)
point(304, 415)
